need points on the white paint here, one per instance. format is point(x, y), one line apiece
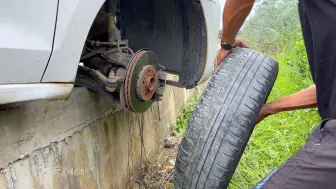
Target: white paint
point(27, 92)
point(212, 13)
point(74, 20)
point(26, 35)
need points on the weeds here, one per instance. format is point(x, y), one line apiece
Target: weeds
point(158, 172)
point(180, 125)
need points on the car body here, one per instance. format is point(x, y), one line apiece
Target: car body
point(42, 42)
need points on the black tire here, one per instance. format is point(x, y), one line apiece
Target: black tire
point(223, 120)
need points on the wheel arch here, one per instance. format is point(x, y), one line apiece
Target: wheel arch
point(175, 30)
point(74, 20)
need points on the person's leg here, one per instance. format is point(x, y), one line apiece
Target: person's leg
point(321, 16)
point(312, 167)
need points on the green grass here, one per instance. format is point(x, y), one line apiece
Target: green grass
point(276, 138)
point(181, 123)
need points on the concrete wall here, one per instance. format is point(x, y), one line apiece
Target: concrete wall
point(83, 142)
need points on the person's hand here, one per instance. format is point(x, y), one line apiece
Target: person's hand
point(265, 111)
point(222, 54)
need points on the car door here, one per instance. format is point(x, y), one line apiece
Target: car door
point(26, 38)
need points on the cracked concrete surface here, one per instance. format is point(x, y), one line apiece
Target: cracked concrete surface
point(83, 142)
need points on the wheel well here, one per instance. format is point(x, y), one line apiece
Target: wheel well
point(174, 30)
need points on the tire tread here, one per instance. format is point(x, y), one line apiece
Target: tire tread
point(215, 139)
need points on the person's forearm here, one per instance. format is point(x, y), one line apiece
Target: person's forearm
point(235, 13)
point(301, 100)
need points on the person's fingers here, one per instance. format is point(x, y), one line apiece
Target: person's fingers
point(220, 59)
point(218, 62)
point(241, 43)
point(260, 118)
point(222, 54)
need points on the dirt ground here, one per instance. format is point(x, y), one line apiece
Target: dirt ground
point(157, 173)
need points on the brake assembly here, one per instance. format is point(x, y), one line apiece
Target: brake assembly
point(112, 69)
point(144, 82)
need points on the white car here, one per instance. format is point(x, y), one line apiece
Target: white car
point(122, 49)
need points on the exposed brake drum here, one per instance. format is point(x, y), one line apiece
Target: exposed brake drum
point(144, 82)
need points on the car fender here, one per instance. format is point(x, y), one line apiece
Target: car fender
point(74, 21)
point(212, 14)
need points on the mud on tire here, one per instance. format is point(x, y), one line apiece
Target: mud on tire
point(223, 120)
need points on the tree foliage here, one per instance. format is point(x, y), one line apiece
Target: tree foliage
point(272, 26)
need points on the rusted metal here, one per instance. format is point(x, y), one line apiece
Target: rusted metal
point(141, 82)
point(88, 78)
point(89, 54)
point(118, 58)
point(161, 84)
point(110, 43)
point(128, 79)
point(112, 82)
point(147, 82)
point(99, 64)
point(115, 79)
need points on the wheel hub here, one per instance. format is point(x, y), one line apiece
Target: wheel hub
point(143, 82)
point(147, 82)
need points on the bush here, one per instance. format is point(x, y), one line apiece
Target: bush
point(180, 125)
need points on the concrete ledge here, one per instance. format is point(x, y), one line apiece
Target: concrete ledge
point(84, 142)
